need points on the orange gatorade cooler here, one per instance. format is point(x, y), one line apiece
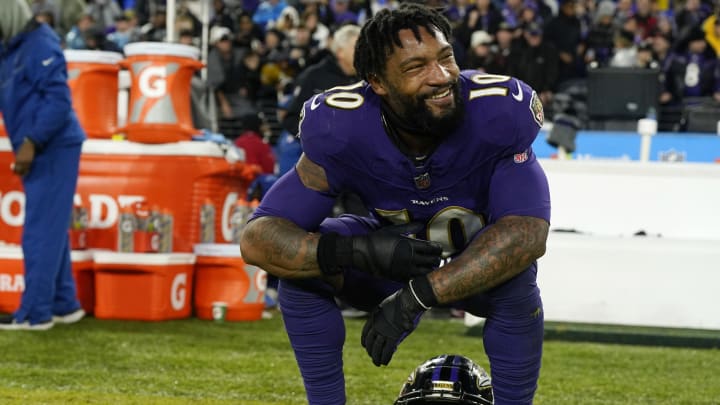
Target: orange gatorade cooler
point(93, 82)
point(12, 280)
point(82, 268)
point(159, 109)
point(143, 286)
point(222, 275)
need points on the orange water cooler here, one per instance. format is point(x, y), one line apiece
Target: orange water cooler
point(12, 278)
point(222, 275)
point(93, 82)
point(143, 286)
point(181, 177)
point(159, 108)
point(82, 268)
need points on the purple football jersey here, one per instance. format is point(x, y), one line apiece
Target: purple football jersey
point(483, 170)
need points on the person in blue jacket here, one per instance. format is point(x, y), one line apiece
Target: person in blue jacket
point(46, 139)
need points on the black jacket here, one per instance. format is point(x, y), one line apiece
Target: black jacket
point(537, 66)
point(313, 80)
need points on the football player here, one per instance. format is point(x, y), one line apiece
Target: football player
point(443, 161)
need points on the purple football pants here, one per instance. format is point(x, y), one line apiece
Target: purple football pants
point(513, 331)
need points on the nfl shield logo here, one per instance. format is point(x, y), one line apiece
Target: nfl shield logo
point(520, 157)
point(422, 181)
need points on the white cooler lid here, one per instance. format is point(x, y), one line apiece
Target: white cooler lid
point(8, 251)
point(161, 48)
point(182, 148)
point(81, 255)
point(145, 259)
point(217, 249)
point(81, 55)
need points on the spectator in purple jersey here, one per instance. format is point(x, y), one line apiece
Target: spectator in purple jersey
point(443, 161)
point(690, 72)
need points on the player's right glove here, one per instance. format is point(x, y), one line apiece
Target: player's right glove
point(386, 252)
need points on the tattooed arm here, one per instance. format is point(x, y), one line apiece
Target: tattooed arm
point(503, 251)
point(281, 245)
point(519, 196)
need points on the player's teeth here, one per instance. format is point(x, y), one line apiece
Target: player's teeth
point(441, 95)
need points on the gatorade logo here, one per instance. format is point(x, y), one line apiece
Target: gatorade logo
point(178, 292)
point(226, 223)
point(257, 285)
point(12, 283)
point(152, 81)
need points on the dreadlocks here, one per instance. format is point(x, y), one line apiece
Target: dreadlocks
point(379, 35)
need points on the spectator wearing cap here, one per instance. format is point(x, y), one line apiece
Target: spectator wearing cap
point(564, 32)
point(501, 49)
point(535, 62)
point(690, 72)
point(600, 38)
point(226, 75)
point(481, 16)
point(478, 55)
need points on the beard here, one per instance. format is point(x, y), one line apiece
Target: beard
point(420, 120)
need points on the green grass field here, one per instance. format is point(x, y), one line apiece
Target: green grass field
point(201, 362)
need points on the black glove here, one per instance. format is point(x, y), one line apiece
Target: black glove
point(395, 318)
point(386, 252)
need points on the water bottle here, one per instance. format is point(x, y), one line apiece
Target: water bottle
point(126, 230)
point(207, 222)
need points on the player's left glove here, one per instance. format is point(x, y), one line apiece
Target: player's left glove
point(395, 318)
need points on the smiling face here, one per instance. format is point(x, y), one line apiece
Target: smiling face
point(421, 82)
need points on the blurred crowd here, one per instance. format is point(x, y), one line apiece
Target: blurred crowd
point(259, 47)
